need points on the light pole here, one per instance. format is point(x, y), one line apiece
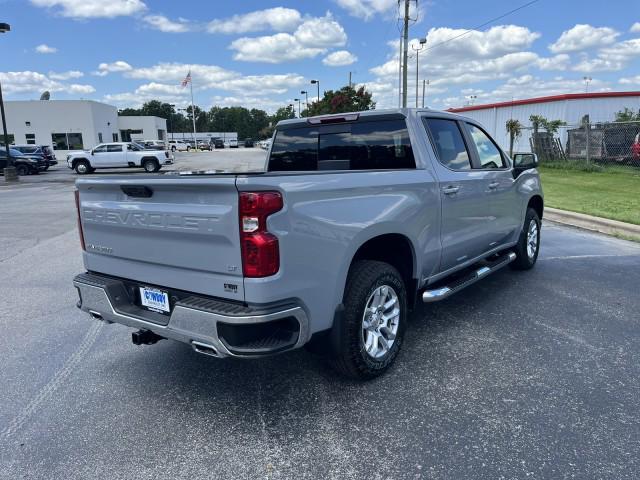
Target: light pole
point(424, 87)
point(306, 96)
point(297, 100)
point(586, 83)
point(292, 109)
point(170, 119)
point(317, 82)
point(423, 41)
point(10, 174)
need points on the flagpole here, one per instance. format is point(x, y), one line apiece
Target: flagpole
point(193, 112)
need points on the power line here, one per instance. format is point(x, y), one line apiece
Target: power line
point(481, 25)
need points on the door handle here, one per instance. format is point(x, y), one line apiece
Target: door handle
point(494, 185)
point(450, 190)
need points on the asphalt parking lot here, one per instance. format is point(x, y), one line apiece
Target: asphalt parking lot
point(523, 375)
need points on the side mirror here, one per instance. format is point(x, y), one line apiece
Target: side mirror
point(524, 161)
point(92, 151)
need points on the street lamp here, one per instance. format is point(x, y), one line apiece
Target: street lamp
point(586, 83)
point(292, 108)
point(317, 82)
point(423, 42)
point(9, 171)
point(170, 119)
point(297, 100)
point(306, 96)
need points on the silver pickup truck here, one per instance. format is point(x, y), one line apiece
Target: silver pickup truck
point(355, 219)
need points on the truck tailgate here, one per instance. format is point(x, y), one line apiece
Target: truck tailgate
point(165, 231)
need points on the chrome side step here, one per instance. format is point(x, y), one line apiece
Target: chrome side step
point(443, 292)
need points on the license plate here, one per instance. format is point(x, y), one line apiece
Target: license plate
point(154, 299)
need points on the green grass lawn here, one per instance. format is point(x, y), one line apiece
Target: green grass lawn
point(612, 193)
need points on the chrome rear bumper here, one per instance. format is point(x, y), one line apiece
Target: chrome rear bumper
point(209, 325)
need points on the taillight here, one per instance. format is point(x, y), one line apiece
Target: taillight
point(77, 195)
point(260, 249)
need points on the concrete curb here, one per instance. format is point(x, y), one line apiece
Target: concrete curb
point(588, 222)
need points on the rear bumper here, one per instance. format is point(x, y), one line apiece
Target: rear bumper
point(215, 327)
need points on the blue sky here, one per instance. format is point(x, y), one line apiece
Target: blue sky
point(263, 53)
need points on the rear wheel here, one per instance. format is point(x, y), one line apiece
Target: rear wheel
point(150, 165)
point(374, 321)
point(529, 242)
point(83, 167)
point(173, 149)
point(22, 170)
point(188, 148)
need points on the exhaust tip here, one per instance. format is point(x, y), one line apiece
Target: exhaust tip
point(95, 315)
point(204, 348)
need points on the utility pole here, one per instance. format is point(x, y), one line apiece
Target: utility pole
point(405, 45)
point(349, 79)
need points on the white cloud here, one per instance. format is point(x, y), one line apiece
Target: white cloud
point(203, 75)
point(81, 89)
point(44, 48)
point(36, 82)
point(635, 28)
point(557, 62)
point(339, 58)
point(630, 80)
point(310, 39)
point(582, 37)
point(263, 83)
point(278, 19)
point(321, 32)
point(367, 9)
point(162, 23)
point(611, 58)
point(65, 75)
point(106, 68)
point(93, 8)
point(154, 88)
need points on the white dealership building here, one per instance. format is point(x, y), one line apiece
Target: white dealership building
point(570, 108)
point(75, 124)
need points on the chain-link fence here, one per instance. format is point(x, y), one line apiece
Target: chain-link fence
point(606, 143)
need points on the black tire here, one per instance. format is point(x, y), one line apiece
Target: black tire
point(188, 148)
point(22, 170)
point(82, 167)
point(46, 168)
point(351, 358)
point(173, 149)
point(150, 165)
point(524, 260)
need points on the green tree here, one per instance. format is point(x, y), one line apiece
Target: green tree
point(347, 99)
point(514, 129)
point(552, 126)
point(627, 115)
point(536, 122)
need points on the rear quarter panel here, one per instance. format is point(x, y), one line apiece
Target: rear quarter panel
point(327, 217)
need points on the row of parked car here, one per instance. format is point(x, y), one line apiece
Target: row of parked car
point(28, 159)
point(187, 145)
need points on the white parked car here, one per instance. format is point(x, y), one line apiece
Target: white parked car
point(265, 144)
point(117, 155)
point(179, 145)
point(231, 142)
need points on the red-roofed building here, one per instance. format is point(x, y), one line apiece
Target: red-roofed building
point(571, 108)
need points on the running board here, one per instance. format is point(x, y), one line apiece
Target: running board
point(443, 292)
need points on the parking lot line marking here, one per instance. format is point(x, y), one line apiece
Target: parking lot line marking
point(570, 336)
point(570, 257)
point(48, 390)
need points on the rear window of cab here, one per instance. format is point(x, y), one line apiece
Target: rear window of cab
point(374, 145)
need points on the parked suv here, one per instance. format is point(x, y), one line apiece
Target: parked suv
point(43, 151)
point(358, 217)
point(24, 164)
point(179, 145)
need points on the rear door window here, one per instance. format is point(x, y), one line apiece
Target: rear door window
point(449, 143)
point(374, 145)
point(114, 148)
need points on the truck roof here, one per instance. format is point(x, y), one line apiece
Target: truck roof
point(371, 114)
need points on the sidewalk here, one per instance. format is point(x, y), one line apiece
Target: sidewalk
point(588, 222)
